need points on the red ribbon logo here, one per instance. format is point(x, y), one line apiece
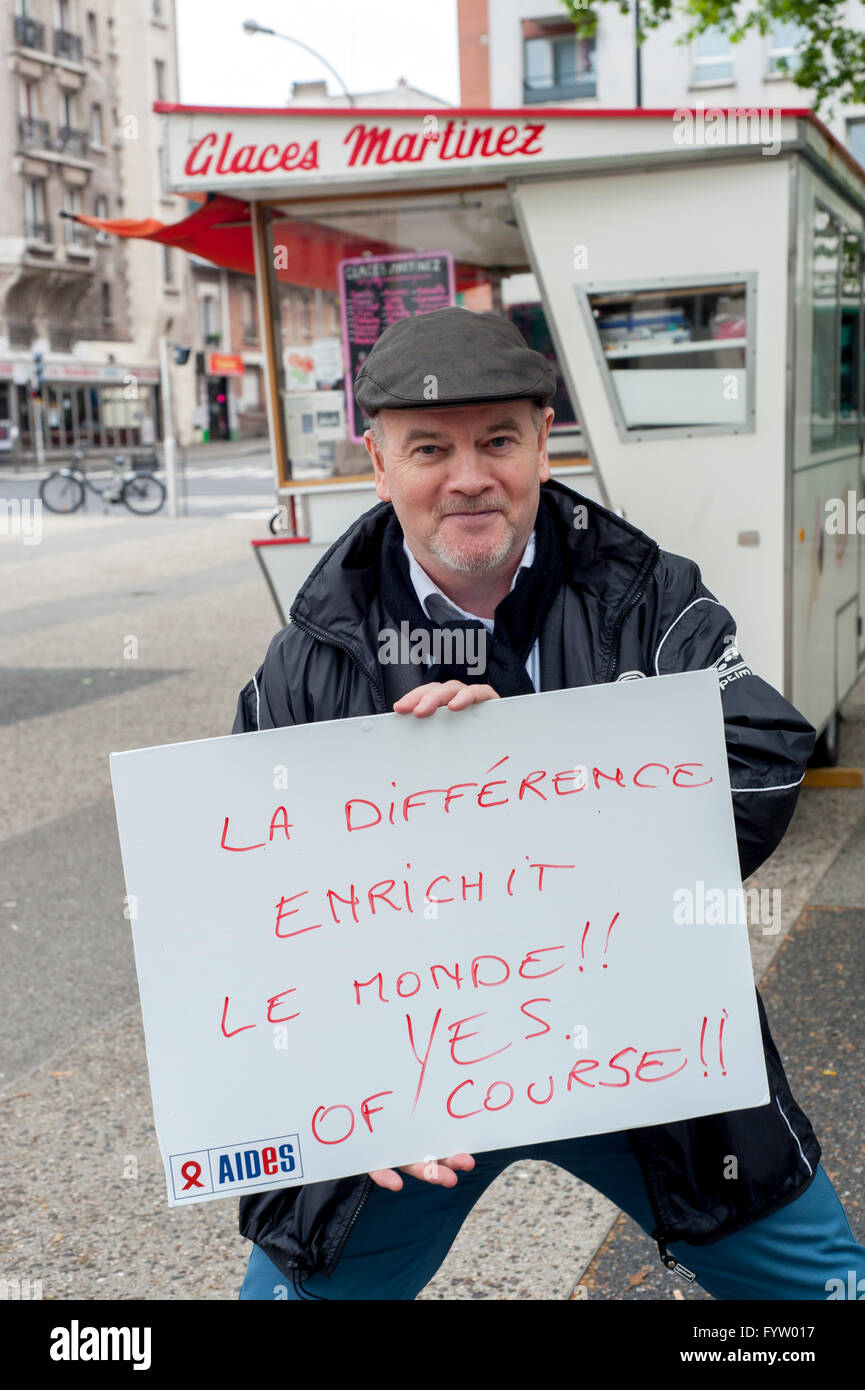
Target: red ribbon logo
point(191, 1177)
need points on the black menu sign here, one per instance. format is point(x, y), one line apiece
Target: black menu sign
point(374, 293)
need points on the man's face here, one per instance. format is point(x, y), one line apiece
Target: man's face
point(464, 481)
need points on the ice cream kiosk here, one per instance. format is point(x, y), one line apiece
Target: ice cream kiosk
point(695, 276)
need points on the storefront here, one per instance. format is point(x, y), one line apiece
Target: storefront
point(84, 406)
point(697, 278)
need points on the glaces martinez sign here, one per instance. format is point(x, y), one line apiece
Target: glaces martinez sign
point(427, 141)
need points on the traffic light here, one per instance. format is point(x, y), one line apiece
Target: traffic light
point(39, 371)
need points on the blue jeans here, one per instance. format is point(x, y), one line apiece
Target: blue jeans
point(401, 1238)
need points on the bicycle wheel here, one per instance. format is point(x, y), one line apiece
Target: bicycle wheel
point(61, 493)
point(143, 494)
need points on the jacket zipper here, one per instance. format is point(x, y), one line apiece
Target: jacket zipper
point(335, 1258)
point(658, 1234)
point(622, 615)
point(334, 642)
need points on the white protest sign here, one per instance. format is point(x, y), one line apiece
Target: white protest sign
point(368, 942)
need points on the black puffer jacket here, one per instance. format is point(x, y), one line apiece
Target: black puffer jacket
point(627, 610)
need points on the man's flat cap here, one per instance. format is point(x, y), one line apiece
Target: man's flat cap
point(451, 357)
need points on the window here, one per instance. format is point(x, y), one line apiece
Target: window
point(825, 331)
point(713, 57)
point(785, 40)
point(159, 75)
point(34, 208)
point(856, 140)
point(556, 64)
point(96, 129)
point(100, 207)
point(168, 264)
point(674, 357)
point(105, 297)
point(210, 320)
point(67, 110)
point(74, 234)
point(92, 32)
point(850, 374)
point(28, 31)
point(250, 323)
point(157, 9)
point(27, 98)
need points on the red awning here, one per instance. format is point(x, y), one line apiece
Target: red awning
point(221, 231)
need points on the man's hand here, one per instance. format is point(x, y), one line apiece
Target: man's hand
point(426, 699)
point(443, 1173)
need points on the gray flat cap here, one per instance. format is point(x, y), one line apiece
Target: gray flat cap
point(451, 357)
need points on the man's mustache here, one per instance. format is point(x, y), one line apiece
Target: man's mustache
point(497, 505)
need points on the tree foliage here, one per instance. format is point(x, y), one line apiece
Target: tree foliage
point(830, 63)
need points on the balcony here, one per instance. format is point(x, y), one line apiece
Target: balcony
point(33, 134)
point(567, 90)
point(71, 141)
point(68, 46)
point(29, 33)
point(78, 237)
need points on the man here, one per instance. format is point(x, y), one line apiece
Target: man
point(473, 536)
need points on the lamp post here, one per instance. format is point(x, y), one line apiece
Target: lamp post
point(253, 27)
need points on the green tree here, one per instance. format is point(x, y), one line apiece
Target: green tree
point(830, 63)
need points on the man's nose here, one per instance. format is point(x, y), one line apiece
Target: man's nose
point(469, 471)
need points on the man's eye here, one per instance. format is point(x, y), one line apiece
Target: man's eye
point(501, 439)
point(433, 448)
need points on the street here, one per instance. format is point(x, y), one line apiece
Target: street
point(126, 639)
point(233, 480)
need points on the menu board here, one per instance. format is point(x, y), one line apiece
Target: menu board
point(374, 293)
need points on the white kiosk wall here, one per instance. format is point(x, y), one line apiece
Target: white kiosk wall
point(694, 495)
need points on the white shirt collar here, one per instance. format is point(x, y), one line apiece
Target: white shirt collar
point(424, 586)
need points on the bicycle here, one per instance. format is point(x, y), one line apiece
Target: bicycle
point(65, 489)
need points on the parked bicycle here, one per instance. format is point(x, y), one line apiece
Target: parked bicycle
point(135, 486)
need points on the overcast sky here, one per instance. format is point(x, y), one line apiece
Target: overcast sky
point(370, 43)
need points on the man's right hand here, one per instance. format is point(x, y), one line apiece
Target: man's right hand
point(425, 699)
point(442, 1172)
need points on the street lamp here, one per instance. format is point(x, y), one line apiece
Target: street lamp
point(253, 27)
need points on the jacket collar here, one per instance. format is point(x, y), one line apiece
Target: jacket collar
point(606, 558)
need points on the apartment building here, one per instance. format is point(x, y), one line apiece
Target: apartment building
point(525, 52)
point(81, 138)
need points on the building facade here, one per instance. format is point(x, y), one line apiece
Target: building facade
point(525, 52)
point(82, 313)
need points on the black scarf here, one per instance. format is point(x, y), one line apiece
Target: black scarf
point(518, 618)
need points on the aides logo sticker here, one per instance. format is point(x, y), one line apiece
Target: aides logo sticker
point(235, 1167)
point(731, 665)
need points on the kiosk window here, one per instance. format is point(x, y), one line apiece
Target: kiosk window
point(674, 356)
point(850, 374)
point(825, 329)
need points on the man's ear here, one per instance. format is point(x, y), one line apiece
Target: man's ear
point(378, 466)
point(543, 436)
